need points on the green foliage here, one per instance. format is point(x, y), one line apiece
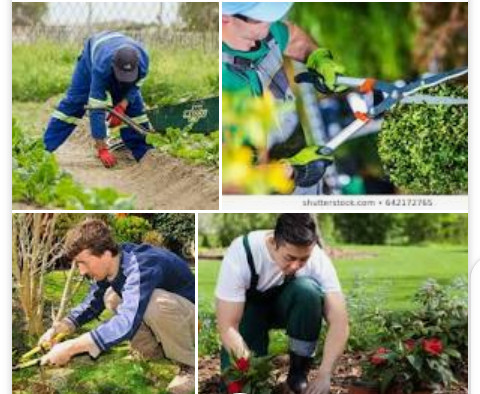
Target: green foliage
point(370, 39)
point(180, 74)
point(424, 148)
point(177, 230)
point(194, 147)
point(255, 377)
point(434, 227)
point(37, 179)
point(364, 304)
point(199, 16)
point(44, 70)
point(208, 339)
point(131, 229)
point(232, 225)
point(41, 71)
point(24, 14)
point(409, 360)
point(442, 311)
point(364, 228)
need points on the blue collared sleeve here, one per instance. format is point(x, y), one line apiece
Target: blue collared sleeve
point(91, 307)
point(138, 288)
point(98, 99)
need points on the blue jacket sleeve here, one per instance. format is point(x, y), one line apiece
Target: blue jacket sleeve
point(98, 99)
point(136, 295)
point(91, 307)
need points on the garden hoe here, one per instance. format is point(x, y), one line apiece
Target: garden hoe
point(114, 144)
point(393, 94)
point(25, 361)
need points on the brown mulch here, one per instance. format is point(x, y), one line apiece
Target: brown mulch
point(348, 370)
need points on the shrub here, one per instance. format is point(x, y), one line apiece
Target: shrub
point(365, 228)
point(131, 229)
point(424, 148)
point(208, 339)
point(177, 230)
point(365, 315)
point(424, 347)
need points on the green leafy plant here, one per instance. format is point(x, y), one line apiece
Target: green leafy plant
point(424, 347)
point(38, 179)
point(411, 365)
point(208, 340)
point(252, 375)
point(424, 148)
point(194, 147)
point(131, 228)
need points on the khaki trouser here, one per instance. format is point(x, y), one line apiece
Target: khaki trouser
point(168, 323)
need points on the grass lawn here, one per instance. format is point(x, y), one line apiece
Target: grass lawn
point(398, 270)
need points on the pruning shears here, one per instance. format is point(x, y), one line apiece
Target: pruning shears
point(393, 94)
point(44, 347)
point(125, 118)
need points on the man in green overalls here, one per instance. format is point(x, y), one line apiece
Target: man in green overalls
point(254, 44)
point(282, 279)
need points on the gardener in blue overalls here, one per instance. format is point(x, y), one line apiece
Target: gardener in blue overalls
point(254, 43)
point(282, 279)
point(151, 292)
point(110, 63)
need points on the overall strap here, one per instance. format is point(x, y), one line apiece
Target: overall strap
point(251, 265)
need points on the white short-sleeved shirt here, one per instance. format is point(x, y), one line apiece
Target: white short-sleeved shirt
point(234, 278)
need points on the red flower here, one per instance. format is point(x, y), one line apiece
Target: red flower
point(234, 387)
point(379, 357)
point(433, 346)
point(410, 344)
point(243, 364)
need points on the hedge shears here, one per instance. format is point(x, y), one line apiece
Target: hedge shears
point(44, 347)
point(393, 94)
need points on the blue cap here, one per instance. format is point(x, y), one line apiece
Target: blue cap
point(265, 12)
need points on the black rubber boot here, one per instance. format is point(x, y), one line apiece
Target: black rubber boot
point(297, 379)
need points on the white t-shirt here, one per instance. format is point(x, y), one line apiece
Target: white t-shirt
point(234, 278)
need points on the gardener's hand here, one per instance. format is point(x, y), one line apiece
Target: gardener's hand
point(107, 159)
point(309, 165)
point(321, 61)
point(58, 327)
point(114, 121)
point(321, 384)
point(59, 355)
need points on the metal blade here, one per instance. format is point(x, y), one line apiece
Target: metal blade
point(433, 80)
point(432, 100)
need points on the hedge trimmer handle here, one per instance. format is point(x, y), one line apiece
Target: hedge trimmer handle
point(43, 347)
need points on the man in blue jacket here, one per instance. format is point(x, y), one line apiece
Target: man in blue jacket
point(110, 63)
point(151, 291)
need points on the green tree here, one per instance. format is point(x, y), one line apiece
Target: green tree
point(231, 225)
point(25, 14)
point(370, 39)
point(199, 16)
point(364, 228)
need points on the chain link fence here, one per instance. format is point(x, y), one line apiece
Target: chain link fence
point(174, 24)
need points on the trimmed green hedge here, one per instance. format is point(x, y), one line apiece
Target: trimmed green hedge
point(424, 148)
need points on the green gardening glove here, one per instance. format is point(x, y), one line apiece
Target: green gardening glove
point(321, 61)
point(309, 165)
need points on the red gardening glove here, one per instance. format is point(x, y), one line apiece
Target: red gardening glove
point(106, 157)
point(114, 121)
